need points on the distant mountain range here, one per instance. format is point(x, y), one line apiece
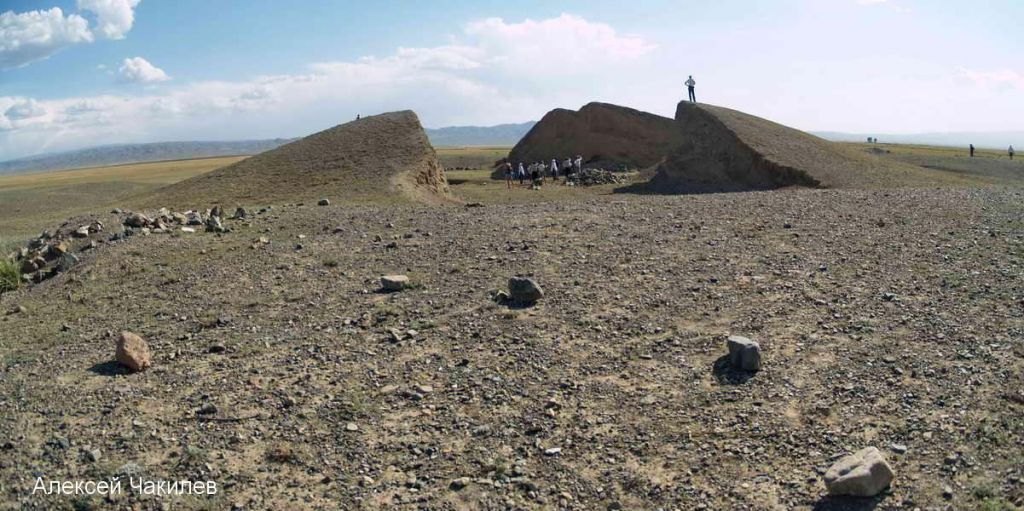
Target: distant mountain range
point(502, 135)
point(455, 136)
point(990, 140)
point(136, 153)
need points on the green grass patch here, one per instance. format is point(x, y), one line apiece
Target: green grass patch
point(10, 277)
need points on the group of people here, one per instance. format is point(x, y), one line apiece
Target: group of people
point(536, 172)
point(1009, 151)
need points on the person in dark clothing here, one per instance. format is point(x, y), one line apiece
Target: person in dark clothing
point(1010, 152)
point(972, 150)
point(689, 86)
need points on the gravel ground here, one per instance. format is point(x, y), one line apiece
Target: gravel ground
point(886, 318)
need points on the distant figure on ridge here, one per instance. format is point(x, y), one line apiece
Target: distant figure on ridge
point(689, 86)
point(1010, 152)
point(972, 150)
point(357, 117)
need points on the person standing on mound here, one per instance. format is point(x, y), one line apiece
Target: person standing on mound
point(1010, 152)
point(690, 84)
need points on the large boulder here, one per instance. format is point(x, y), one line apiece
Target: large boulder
point(132, 352)
point(864, 473)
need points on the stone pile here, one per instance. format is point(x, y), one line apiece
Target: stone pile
point(165, 221)
point(51, 253)
point(596, 176)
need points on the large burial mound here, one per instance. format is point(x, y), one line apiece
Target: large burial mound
point(606, 135)
point(384, 157)
point(727, 150)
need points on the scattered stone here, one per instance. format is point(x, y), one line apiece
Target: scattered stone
point(947, 492)
point(81, 232)
point(323, 202)
point(351, 427)
point(132, 352)
point(554, 451)
point(137, 220)
point(744, 354)
point(207, 409)
point(394, 282)
point(460, 483)
point(524, 290)
point(864, 473)
point(899, 448)
point(188, 229)
point(66, 262)
point(213, 224)
point(193, 218)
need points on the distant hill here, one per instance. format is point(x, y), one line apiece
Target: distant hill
point(455, 136)
point(458, 136)
point(136, 153)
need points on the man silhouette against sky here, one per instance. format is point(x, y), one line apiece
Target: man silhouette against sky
point(689, 85)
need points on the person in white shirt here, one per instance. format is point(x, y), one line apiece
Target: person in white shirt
point(554, 169)
point(577, 165)
point(690, 85)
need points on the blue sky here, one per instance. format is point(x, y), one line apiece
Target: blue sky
point(114, 71)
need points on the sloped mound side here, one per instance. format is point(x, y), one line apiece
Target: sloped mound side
point(381, 157)
point(605, 135)
point(727, 150)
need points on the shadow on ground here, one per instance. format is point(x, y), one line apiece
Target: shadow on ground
point(726, 374)
point(108, 368)
point(848, 503)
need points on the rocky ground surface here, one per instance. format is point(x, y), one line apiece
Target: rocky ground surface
point(892, 319)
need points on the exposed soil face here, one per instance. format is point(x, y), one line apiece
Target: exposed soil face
point(886, 318)
point(727, 150)
point(380, 157)
point(605, 135)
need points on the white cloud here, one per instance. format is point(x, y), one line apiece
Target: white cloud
point(35, 35)
point(494, 71)
point(114, 18)
point(139, 70)
point(32, 36)
point(1002, 79)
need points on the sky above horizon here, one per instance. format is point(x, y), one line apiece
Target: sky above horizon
point(79, 73)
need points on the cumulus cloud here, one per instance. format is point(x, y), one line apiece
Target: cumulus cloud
point(139, 70)
point(35, 35)
point(114, 18)
point(493, 71)
point(32, 36)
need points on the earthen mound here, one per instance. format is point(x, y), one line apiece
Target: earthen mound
point(382, 157)
point(607, 136)
point(727, 150)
